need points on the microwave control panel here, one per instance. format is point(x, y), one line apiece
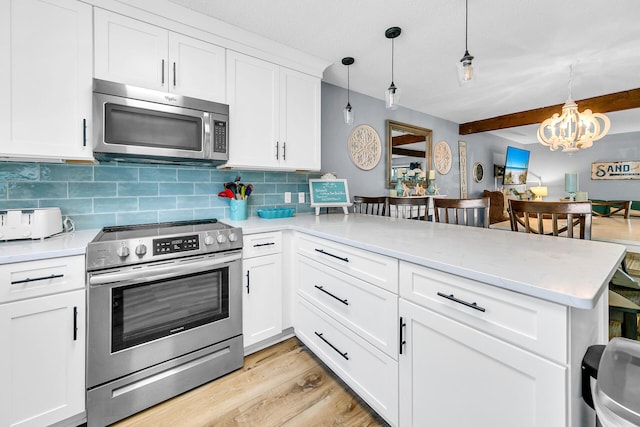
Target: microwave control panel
point(219, 136)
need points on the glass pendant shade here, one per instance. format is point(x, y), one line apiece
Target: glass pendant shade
point(391, 97)
point(348, 114)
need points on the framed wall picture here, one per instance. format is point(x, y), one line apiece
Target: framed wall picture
point(478, 172)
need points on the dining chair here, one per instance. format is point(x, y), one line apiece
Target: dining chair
point(607, 208)
point(370, 205)
point(409, 207)
point(561, 217)
point(472, 212)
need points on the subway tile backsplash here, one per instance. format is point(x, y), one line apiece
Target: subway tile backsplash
point(94, 196)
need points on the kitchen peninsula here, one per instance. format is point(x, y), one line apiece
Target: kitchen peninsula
point(447, 316)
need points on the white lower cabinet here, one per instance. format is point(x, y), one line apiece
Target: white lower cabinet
point(262, 287)
point(369, 372)
point(350, 320)
point(454, 375)
point(42, 331)
point(42, 361)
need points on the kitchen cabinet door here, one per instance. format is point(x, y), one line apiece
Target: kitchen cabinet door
point(275, 116)
point(47, 52)
point(130, 51)
point(140, 54)
point(196, 68)
point(262, 298)
point(42, 362)
point(253, 92)
point(454, 375)
point(300, 120)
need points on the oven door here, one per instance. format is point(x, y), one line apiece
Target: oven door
point(147, 314)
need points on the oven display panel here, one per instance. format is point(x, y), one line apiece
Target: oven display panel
point(173, 245)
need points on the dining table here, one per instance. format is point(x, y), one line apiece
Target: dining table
point(613, 229)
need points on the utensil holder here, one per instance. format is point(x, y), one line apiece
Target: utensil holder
point(238, 210)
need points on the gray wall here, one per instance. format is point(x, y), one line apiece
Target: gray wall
point(485, 148)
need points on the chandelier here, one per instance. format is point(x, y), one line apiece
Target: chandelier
point(572, 130)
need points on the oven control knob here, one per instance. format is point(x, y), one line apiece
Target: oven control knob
point(209, 240)
point(233, 237)
point(141, 249)
point(123, 251)
point(221, 238)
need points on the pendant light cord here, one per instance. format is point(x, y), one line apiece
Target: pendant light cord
point(570, 79)
point(392, 44)
point(348, 84)
point(466, 25)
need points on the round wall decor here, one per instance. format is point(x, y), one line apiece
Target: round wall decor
point(442, 157)
point(478, 172)
point(365, 148)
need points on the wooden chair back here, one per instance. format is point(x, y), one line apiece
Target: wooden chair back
point(409, 207)
point(611, 207)
point(534, 217)
point(370, 205)
point(471, 212)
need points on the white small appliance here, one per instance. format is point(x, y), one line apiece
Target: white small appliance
point(29, 223)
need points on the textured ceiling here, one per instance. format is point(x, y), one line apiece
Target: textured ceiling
point(522, 48)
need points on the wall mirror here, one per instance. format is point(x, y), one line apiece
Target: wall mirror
point(408, 147)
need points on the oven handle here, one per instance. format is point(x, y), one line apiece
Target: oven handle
point(160, 272)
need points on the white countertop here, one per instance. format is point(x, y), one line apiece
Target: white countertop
point(571, 272)
point(64, 244)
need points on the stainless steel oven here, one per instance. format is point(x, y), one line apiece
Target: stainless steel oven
point(164, 313)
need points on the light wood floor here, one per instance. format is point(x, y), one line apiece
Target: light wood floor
point(283, 385)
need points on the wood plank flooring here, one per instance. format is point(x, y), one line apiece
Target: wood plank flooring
point(283, 385)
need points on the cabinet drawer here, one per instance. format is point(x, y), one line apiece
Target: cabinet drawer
point(261, 244)
point(372, 374)
point(42, 277)
point(528, 322)
point(367, 310)
point(370, 267)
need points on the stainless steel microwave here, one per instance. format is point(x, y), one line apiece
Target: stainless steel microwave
point(143, 125)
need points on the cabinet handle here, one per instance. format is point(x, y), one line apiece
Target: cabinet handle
point(257, 245)
point(174, 74)
point(284, 151)
point(27, 280)
point(331, 345)
point(277, 149)
point(84, 132)
point(322, 251)
point(402, 340)
point(459, 301)
point(75, 323)
point(248, 281)
point(163, 72)
point(344, 301)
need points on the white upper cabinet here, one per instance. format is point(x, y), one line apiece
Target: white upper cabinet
point(46, 78)
point(274, 115)
point(140, 54)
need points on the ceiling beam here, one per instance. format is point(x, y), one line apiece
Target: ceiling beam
point(408, 153)
point(407, 138)
point(618, 101)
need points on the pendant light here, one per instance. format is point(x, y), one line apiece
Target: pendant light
point(465, 66)
point(348, 110)
point(571, 130)
point(392, 94)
